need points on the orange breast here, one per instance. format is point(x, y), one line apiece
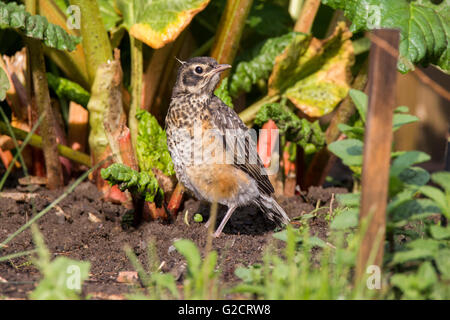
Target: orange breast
point(217, 182)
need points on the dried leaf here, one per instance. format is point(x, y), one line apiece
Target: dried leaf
point(313, 74)
point(158, 22)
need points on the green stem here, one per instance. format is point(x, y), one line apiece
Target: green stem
point(361, 45)
point(48, 129)
point(73, 63)
point(96, 45)
point(53, 166)
point(36, 141)
point(230, 30)
point(249, 114)
point(17, 255)
point(136, 87)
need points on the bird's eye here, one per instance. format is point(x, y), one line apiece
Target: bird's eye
point(198, 69)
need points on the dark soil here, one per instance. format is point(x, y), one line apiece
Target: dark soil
point(84, 227)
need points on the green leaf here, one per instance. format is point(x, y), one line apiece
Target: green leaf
point(69, 90)
point(440, 233)
point(401, 109)
point(15, 16)
point(62, 277)
point(62, 4)
point(428, 244)
point(442, 179)
point(189, 250)
point(345, 220)
point(406, 160)
point(158, 22)
point(412, 209)
point(313, 74)
point(353, 132)
point(209, 264)
point(300, 131)
point(443, 263)
point(249, 275)
point(138, 183)
point(349, 150)
point(400, 120)
point(414, 286)
point(166, 281)
point(414, 177)
point(439, 197)
point(259, 67)
point(283, 236)
point(350, 200)
point(420, 249)
point(424, 27)
point(316, 242)
point(399, 198)
point(61, 272)
point(4, 84)
point(222, 93)
point(361, 101)
point(109, 15)
point(151, 146)
point(412, 255)
point(262, 12)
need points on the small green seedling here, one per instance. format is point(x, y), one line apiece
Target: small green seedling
point(198, 217)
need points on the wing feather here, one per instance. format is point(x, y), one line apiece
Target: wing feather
point(245, 157)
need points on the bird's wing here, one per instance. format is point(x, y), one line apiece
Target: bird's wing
point(245, 157)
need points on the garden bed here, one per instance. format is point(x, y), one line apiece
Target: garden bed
point(84, 227)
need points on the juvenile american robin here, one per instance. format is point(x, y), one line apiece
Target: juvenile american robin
point(210, 146)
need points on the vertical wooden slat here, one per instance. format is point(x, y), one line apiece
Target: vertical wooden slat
point(377, 147)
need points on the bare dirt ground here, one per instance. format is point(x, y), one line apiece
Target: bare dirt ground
point(84, 227)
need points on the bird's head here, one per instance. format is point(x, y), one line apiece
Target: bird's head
point(199, 76)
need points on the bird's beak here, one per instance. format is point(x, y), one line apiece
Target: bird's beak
point(221, 67)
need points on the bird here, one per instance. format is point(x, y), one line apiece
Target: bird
point(219, 164)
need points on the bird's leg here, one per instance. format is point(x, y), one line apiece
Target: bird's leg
point(224, 221)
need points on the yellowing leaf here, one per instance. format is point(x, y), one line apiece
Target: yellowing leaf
point(158, 22)
point(314, 74)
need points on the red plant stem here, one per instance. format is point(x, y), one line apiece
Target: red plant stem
point(78, 127)
point(289, 172)
point(306, 17)
point(175, 201)
point(126, 149)
point(230, 30)
point(266, 142)
point(151, 212)
point(6, 157)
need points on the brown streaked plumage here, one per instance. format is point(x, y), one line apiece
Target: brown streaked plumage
point(224, 172)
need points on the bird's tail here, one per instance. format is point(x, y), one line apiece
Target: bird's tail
point(272, 210)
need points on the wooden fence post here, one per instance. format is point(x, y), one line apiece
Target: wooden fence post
point(377, 147)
